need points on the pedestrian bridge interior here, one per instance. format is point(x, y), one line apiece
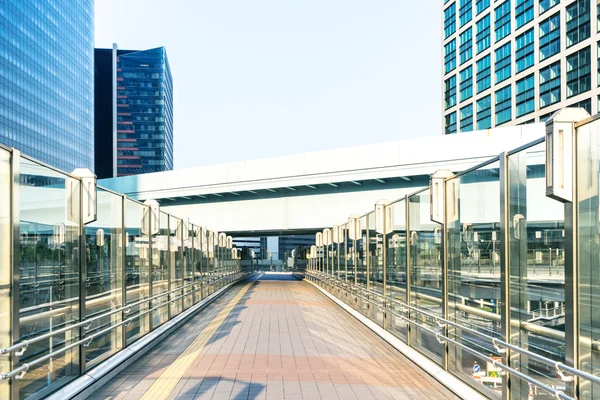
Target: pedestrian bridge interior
point(484, 284)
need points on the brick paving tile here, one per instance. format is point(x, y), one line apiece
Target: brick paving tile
point(282, 340)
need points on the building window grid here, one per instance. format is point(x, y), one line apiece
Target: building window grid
point(578, 72)
point(502, 20)
point(484, 112)
point(550, 36)
point(483, 34)
point(484, 72)
point(524, 51)
point(502, 66)
point(449, 20)
point(550, 85)
point(481, 5)
point(503, 105)
point(450, 123)
point(466, 83)
point(578, 22)
point(466, 45)
point(525, 95)
point(450, 56)
point(545, 5)
point(466, 118)
point(465, 12)
point(585, 104)
point(523, 12)
point(450, 92)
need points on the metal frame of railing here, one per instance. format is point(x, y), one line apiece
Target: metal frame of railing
point(197, 260)
point(322, 267)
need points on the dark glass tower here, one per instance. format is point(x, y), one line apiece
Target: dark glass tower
point(134, 112)
point(46, 80)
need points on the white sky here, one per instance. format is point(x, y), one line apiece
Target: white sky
point(262, 78)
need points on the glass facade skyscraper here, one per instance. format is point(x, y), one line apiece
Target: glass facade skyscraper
point(134, 112)
point(46, 80)
point(529, 58)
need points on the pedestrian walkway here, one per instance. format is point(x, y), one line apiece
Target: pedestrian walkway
point(273, 339)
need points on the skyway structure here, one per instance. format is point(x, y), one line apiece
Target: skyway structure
point(486, 278)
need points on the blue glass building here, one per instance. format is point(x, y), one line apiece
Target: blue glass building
point(46, 80)
point(134, 112)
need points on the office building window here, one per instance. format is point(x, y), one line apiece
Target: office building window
point(550, 85)
point(578, 72)
point(466, 118)
point(525, 49)
point(550, 36)
point(483, 74)
point(449, 20)
point(466, 45)
point(481, 5)
point(502, 21)
point(483, 34)
point(450, 92)
point(466, 83)
point(484, 112)
point(450, 123)
point(585, 104)
point(525, 91)
point(545, 5)
point(578, 22)
point(503, 105)
point(523, 12)
point(465, 12)
point(450, 56)
point(502, 65)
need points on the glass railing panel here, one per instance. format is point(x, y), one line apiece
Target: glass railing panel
point(137, 269)
point(360, 254)
point(335, 263)
point(49, 270)
point(375, 253)
point(396, 265)
point(350, 256)
point(196, 235)
point(588, 193)
point(161, 270)
point(537, 269)
point(188, 272)
point(104, 277)
point(344, 254)
point(5, 264)
point(473, 215)
point(426, 249)
point(176, 260)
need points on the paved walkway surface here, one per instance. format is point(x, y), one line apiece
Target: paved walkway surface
point(273, 339)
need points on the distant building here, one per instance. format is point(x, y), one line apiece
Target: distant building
point(515, 62)
point(47, 80)
point(134, 112)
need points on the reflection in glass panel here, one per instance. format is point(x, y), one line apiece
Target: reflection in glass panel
point(104, 276)
point(375, 254)
point(425, 274)
point(360, 254)
point(49, 269)
point(396, 264)
point(196, 233)
point(341, 256)
point(188, 256)
point(5, 266)
point(473, 215)
point(537, 269)
point(160, 273)
point(588, 140)
point(137, 273)
point(176, 260)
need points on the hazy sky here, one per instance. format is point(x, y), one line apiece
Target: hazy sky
point(260, 78)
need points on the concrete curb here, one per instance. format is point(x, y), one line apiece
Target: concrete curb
point(451, 382)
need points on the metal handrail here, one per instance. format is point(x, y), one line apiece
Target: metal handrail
point(22, 346)
point(19, 372)
point(499, 344)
